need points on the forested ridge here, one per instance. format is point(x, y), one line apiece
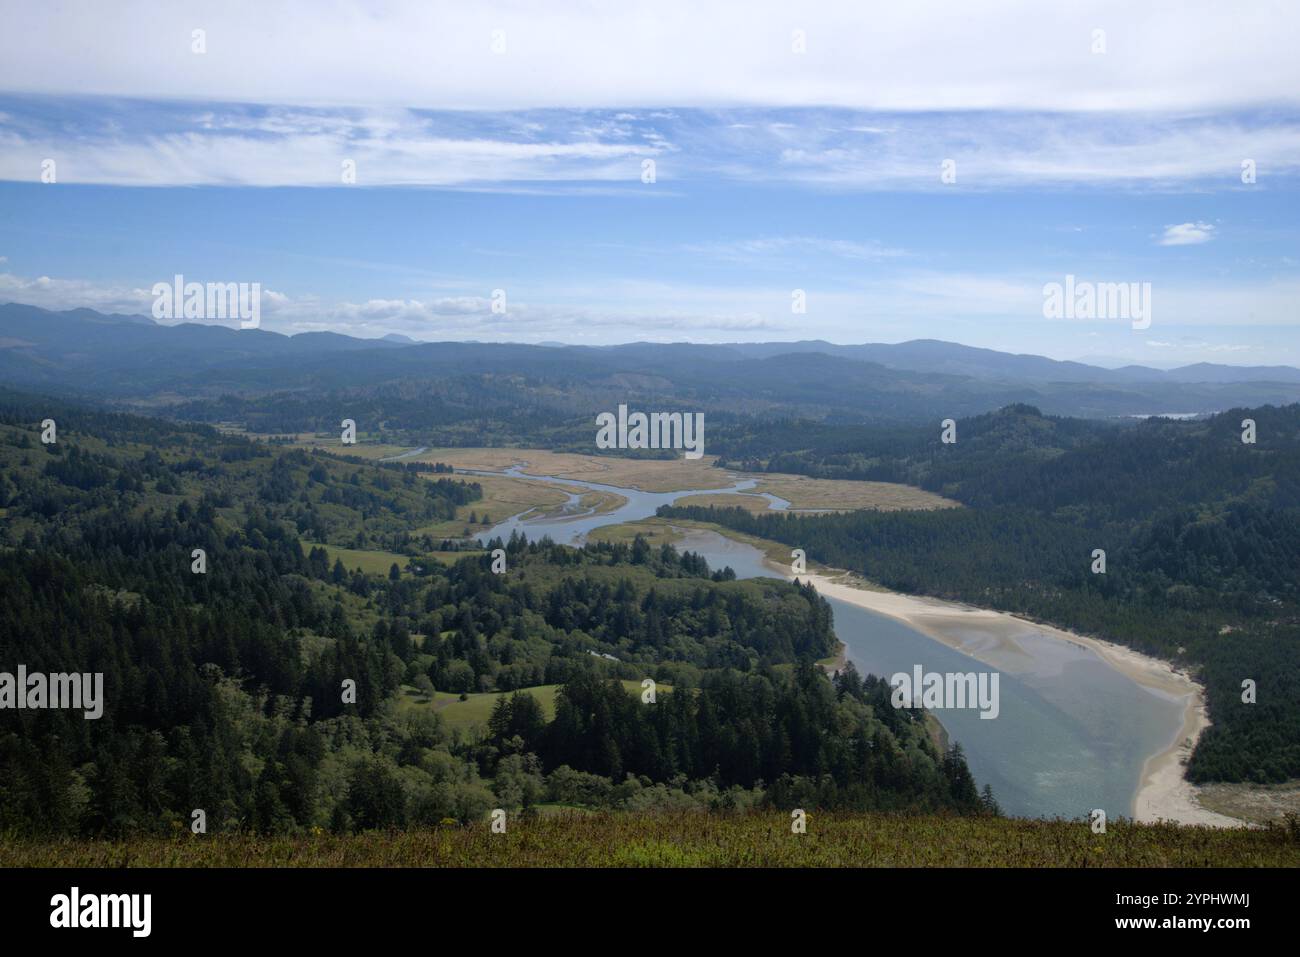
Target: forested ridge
point(1201, 533)
point(488, 393)
point(224, 689)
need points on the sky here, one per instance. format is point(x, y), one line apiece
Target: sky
point(653, 171)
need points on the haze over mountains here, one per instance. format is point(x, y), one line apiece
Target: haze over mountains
point(132, 358)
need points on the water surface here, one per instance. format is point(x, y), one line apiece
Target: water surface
point(1071, 735)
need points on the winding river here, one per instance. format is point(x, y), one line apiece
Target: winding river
point(1072, 733)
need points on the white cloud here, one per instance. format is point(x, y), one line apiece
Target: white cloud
point(674, 311)
point(1201, 346)
point(153, 144)
point(1010, 151)
point(922, 55)
point(999, 311)
point(50, 293)
point(470, 317)
point(794, 247)
point(1187, 234)
point(299, 150)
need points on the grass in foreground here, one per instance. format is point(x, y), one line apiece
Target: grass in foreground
point(760, 839)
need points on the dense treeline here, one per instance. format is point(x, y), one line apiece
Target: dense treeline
point(277, 690)
point(1201, 533)
point(844, 746)
point(1086, 469)
point(466, 410)
point(497, 393)
point(126, 463)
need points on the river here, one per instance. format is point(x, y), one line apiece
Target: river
point(1072, 733)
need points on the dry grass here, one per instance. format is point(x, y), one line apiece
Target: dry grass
point(601, 503)
point(1257, 803)
point(502, 498)
point(804, 492)
point(648, 475)
point(681, 474)
point(670, 475)
point(657, 531)
point(697, 839)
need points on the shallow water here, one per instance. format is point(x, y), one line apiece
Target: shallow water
point(1071, 735)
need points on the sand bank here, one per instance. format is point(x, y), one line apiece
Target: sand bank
point(1163, 793)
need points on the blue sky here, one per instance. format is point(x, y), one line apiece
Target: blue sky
point(1118, 167)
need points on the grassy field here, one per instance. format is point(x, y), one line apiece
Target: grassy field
point(680, 474)
point(560, 838)
point(502, 498)
point(673, 475)
point(656, 531)
point(601, 503)
point(370, 561)
point(804, 492)
point(824, 494)
point(477, 708)
point(1257, 803)
point(658, 475)
point(506, 497)
point(649, 475)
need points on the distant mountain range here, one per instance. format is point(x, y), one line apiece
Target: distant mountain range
point(950, 358)
point(132, 358)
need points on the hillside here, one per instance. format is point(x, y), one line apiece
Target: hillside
point(272, 382)
point(246, 675)
point(686, 839)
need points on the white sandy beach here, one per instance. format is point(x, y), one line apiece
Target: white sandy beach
point(1164, 794)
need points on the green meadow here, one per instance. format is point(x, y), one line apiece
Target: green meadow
point(475, 709)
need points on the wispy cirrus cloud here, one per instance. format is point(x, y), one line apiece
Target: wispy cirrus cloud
point(792, 248)
point(166, 144)
point(163, 145)
point(781, 162)
point(1017, 150)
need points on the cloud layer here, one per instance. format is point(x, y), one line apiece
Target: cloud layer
point(512, 54)
point(150, 143)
